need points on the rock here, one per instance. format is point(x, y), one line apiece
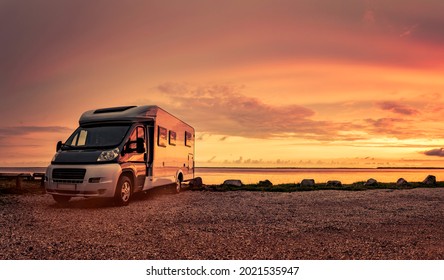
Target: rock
point(265, 183)
point(371, 182)
point(308, 183)
point(196, 183)
point(430, 180)
point(402, 182)
point(334, 183)
point(236, 183)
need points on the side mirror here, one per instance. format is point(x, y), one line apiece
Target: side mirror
point(59, 146)
point(140, 148)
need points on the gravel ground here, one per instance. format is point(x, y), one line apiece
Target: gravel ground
point(373, 224)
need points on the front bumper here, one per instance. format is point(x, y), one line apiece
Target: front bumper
point(99, 180)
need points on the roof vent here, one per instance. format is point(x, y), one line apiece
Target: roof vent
point(113, 109)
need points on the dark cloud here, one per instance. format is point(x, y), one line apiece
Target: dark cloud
point(426, 31)
point(24, 130)
point(435, 152)
point(398, 108)
point(420, 20)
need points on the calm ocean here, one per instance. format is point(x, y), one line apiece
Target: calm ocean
point(292, 175)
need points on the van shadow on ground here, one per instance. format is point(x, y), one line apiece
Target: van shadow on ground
point(108, 202)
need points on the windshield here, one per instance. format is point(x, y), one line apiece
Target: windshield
point(97, 136)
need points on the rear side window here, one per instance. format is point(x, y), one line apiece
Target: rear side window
point(162, 137)
point(188, 139)
point(172, 138)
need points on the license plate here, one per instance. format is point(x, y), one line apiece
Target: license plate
point(66, 187)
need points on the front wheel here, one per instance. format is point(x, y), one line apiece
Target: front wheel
point(123, 191)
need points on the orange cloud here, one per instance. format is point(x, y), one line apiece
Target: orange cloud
point(24, 130)
point(398, 108)
point(222, 109)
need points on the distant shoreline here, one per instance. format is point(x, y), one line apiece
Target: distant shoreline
point(262, 168)
point(299, 168)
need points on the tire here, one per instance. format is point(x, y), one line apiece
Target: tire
point(123, 191)
point(61, 199)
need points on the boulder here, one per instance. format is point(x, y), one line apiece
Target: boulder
point(196, 183)
point(265, 183)
point(402, 183)
point(236, 183)
point(308, 183)
point(334, 183)
point(430, 180)
point(371, 182)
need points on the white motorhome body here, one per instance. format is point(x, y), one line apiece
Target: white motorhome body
point(118, 151)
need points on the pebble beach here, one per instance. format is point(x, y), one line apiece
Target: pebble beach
point(205, 225)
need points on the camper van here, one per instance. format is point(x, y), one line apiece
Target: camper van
point(116, 152)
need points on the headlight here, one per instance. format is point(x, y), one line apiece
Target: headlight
point(109, 155)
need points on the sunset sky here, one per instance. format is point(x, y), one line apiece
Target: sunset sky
point(318, 83)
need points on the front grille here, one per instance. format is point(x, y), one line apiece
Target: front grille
point(68, 175)
point(75, 192)
point(63, 181)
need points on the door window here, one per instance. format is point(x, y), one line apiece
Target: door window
point(138, 132)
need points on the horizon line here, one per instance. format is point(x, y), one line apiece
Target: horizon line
point(270, 167)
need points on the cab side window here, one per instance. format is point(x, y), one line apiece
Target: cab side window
point(132, 140)
point(138, 132)
point(141, 134)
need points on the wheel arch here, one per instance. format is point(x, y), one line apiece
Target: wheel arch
point(179, 175)
point(130, 174)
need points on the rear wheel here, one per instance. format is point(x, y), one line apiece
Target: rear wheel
point(61, 199)
point(123, 191)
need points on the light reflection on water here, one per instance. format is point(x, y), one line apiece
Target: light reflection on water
point(282, 176)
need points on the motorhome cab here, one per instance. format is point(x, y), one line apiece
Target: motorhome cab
point(118, 151)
